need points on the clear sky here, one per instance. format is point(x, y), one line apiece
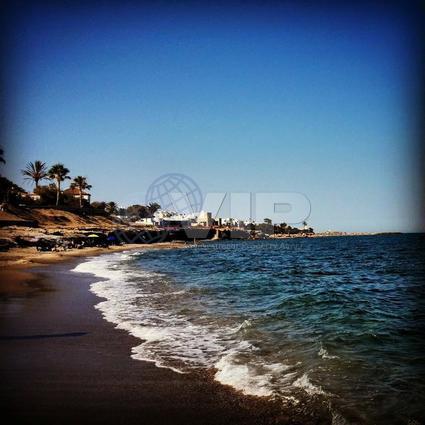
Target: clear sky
point(241, 98)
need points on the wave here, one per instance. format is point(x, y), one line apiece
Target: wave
point(323, 353)
point(305, 383)
point(141, 302)
point(246, 324)
point(152, 308)
point(246, 378)
point(253, 377)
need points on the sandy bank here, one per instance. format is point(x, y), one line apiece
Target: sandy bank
point(16, 278)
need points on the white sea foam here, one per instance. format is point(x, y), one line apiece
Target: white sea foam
point(305, 383)
point(249, 378)
point(136, 301)
point(323, 353)
point(242, 378)
point(146, 305)
point(244, 325)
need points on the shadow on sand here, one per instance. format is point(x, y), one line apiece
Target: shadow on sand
point(65, 335)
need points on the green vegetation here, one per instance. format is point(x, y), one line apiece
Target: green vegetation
point(111, 208)
point(81, 184)
point(78, 198)
point(137, 211)
point(58, 173)
point(51, 195)
point(9, 191)
point(35, 171)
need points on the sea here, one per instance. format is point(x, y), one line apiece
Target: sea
point(334, 320)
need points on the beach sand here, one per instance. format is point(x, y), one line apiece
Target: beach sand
point(62, 363)
point(16, 278)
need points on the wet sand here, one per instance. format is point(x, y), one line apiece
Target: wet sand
point(16, 264)
point(62, 363)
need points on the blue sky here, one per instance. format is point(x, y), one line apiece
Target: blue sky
point(249, 98)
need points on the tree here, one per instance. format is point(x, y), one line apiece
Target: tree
point(111, 207)
point(35, 171)
point(2, 156)
point(81, 184)
point(9, 191)
point(58, 173)
point(251, 226)
point(139, 211)
point(142, 211)
point(47, 194)
point(281, 228)
point(153, 207)
point(98, 205)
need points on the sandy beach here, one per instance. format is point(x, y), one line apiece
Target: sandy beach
point(212, 213)
point(16, 278)
point(61, 362)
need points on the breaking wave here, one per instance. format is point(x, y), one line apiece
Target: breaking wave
point(302, 321)
point(150, 307)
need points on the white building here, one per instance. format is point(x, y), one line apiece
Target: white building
point(171, 219)
point(31, 195)
point(230, 222)
point(204, 219)
point(145, 222)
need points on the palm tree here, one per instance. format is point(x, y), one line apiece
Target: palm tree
point(35, 171)
point(81, 184)
point(58, 173)
point(2, 156)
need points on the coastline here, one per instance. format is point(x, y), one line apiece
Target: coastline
point(16, 265)
point(80, 369)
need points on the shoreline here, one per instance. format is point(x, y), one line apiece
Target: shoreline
point(17, 277)
point(80, 369)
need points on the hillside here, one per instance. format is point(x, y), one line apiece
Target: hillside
point(52, 218)
point(49, 223)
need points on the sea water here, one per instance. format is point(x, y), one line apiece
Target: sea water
point(336, 320)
